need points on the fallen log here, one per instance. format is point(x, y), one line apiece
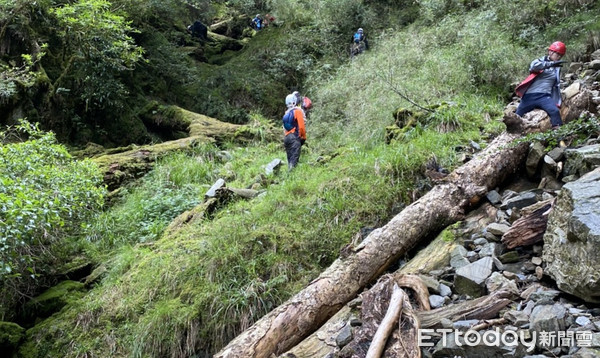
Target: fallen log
point(445, 204)
point(387, 324)
point(528, 229)
point(379, 300)
point(486, 307)
point(122, 165)
point(323, 341)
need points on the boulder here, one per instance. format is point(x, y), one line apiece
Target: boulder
point(470, 279)
point(575, 105)
point(548, 318)
point(10, 336)
point(582, 160)
point(572, 238)
point(536, 153)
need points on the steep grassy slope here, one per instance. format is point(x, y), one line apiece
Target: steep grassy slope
point(191, 290)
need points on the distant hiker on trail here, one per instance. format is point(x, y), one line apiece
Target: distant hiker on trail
point(257, 22)
point(294, 131)
point(541, 89)
point(199, 30)
point(303, 102)
point(359, 42)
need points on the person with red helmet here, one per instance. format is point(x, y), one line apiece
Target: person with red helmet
point(541, 89)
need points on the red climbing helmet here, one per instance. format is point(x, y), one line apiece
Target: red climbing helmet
point(558, 47)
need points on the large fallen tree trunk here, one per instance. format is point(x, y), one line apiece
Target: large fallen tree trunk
point(122, 165)
point(445, 204)
point(323, 341)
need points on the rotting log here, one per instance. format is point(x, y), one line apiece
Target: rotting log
point(375, 302)
point(132, 163)
point(387, 324)
point(443, 205)
point(486, 307)
point(323, 341)
point(528, 229)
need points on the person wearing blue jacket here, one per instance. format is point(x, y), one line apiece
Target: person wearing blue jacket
point(541, 90)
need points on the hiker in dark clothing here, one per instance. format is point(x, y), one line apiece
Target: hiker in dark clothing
point(541, 89)
point(257, 22)
point(359, 36)
point(294, 131)
point(199, 30)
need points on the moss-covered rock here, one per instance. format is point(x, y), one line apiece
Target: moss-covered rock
point(52, 300)
point(167, 121)
point(11, 334)
point(218, 44)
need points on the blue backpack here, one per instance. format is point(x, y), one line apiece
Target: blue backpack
point(289, 121)
point(356, 37)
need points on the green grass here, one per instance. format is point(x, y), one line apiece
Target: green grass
point(199, 286)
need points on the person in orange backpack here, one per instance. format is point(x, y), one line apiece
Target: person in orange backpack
point(541, 89)
point(294, 130)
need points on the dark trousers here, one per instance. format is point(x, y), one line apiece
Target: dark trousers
point(292, 144)
point(543, 101)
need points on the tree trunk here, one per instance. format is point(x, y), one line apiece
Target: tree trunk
point(445, 204)
point(323, 341)
point(125, 164)
point(485, 307)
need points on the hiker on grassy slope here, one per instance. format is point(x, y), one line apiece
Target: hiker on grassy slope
point(294, 130)
point(541, 89)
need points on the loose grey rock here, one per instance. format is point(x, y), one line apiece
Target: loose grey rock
point(557, 154)
point(497, 281)
point(445, 290)
point(497, 229)
point(522, 200)
point(480, 241)
point(344, 337)
point(548, 318)
point(581, 160)
point(273, 166)
point(220, 183)
point(490, 249)
point(469, 280)
point(583, 321)
point(518, 318)
point(436, 301)
point(457, 257)
point(532, 164)
point(493, 197)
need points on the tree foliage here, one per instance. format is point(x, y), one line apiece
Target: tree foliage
point(45, 195)
point(97, 47)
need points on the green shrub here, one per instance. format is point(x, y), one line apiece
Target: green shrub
point(45, 196)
